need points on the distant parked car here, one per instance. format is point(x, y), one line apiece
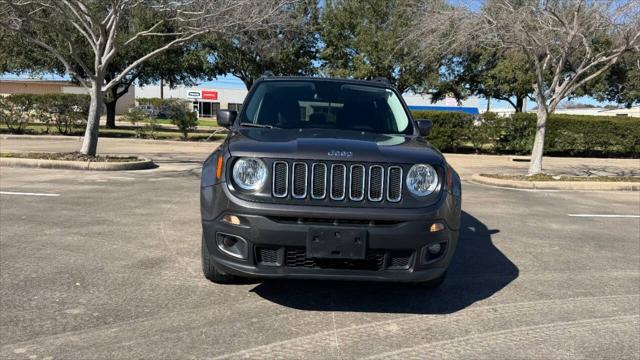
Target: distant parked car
point(146, 108)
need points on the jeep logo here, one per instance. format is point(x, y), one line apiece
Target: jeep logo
point(339, 153)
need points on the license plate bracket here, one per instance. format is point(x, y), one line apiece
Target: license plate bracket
point(332, 243)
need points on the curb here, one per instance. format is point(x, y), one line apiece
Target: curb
point(560, 185)
point(78, 165)
point(104, 138)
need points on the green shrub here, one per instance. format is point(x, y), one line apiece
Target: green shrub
point(66, 111)
point(592, 136)
point(449, 128)
point(136, 117)
point(515, 133)
point(566, 135)
point(181, 116)
point(16, 111)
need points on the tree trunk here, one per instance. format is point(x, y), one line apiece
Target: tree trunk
point(535, 166)
point(519, 104)
point(488, 103)
point(111, 114)
point(90, 142)
point(248, 82)
point(161, 89)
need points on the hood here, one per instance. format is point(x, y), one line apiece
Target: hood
point(336, 145)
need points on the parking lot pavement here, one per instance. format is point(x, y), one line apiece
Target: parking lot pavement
point(109, 267)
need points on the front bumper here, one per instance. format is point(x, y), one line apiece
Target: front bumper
point(276, 236)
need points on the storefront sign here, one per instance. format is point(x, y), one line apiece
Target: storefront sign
point(193, 94)
point(209, 95)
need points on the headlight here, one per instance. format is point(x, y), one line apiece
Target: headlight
point(249, 173)
point(422, 179)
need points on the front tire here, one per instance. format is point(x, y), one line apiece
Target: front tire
point(210, 271)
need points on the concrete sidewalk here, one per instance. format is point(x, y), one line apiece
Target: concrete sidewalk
point(468, 165)
point(181, 153)
point(169, 155)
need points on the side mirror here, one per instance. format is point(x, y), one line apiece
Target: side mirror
point(424, 126)
point(226, 118)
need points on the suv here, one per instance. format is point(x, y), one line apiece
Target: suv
point(327, 179)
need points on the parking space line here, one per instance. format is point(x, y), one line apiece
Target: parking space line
point(27, 194)
point(605, 215)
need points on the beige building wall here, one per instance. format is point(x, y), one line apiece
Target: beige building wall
point(8, 87)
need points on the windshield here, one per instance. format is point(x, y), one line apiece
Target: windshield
point(326, 105)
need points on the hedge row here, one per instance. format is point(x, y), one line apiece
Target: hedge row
point(67, 112)
point(572, 135)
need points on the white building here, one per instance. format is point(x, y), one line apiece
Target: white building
point(207, 100)
point(633, 112)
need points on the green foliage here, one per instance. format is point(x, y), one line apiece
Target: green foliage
point(515, 133)
point(141, 119)
point(448, 133)
point(181, 116)
point(67, 112)
point(620, 84)
point(15, 112)
point(368, 39)
point(156, 102)
point(285, 50)
point(593, 135)
point(566, 135)
point(503, 75)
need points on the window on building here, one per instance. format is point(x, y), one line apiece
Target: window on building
point(208, 109)
point(234, 107)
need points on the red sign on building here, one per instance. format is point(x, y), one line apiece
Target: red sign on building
point(209, 95)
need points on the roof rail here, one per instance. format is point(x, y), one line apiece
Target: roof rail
point(381, 79)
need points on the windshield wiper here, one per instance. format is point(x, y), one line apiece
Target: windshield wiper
point(264, 126)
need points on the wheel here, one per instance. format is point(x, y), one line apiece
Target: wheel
point(434, 283)
point(210, 271)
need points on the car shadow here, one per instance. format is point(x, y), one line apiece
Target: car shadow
point(478, 270)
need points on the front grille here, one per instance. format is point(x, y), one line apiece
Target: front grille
point(299, 189)
point(318, 181)
point(280, 178)
point(400, 259)
point(296, 257)
point(336, 181)
point(394, 183)
point(294, 220)
point(356, 184)
point(267, 256)
point(376, 183)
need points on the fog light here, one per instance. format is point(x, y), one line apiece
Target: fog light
point(435, 227)
point(228, 241)
point(231, 219)
point(434, 249)
point(232, 245)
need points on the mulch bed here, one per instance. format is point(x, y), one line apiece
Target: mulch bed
point(547, 177)
point(70, 156)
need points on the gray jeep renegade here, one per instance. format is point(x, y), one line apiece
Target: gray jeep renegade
point(327, 179)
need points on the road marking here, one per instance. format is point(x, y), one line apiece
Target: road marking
point(605, 216)
point(26, 194)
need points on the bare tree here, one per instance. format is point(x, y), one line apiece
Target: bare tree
point(567, 42)
point(96, 24)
